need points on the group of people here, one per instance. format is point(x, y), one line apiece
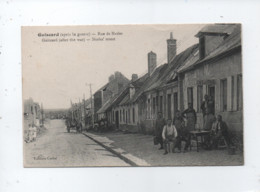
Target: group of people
point(170, 134)
point(31, 134)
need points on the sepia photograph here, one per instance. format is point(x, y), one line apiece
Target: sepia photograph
point(132, 95)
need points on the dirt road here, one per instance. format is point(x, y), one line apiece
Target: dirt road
point(57, 148)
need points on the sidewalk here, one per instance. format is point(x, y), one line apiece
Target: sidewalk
point(139, 148)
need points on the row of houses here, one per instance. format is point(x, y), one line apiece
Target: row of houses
point(213, 66)
point(87, 112)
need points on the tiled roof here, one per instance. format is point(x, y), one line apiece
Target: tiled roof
point(217, 29)
point(123, 96)
point(102, 88)
point(165, 73)
point(170, 71)
point(106, 105)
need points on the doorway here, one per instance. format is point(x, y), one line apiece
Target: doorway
point(175, 102)
point(211, 93)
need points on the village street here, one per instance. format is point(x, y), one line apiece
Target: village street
point(57, 148)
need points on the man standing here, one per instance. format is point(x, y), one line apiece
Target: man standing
point(160, 122)
point(183, 133)
point(191, 117)
point(178, 121)
point(204, 105)
point(211, 106)
point(169, 135)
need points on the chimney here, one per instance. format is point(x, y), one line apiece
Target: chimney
point(171, 48)
point(131, 91)
point(118, 75)
point(151, 62)
point(134, 77)
point(111, 78)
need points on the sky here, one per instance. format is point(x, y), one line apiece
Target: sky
point(56, 72)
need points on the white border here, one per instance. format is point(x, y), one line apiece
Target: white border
point(14, 14)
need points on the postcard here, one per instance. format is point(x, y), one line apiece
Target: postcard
point(132, 95)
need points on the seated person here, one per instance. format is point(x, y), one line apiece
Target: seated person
point(183, 133)
point(219, 129)
point(169, 134)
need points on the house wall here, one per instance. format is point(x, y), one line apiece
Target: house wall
point(157, 101)
point(212, 74)
point(127, 121)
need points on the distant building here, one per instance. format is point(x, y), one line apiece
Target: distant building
point(32, 113)
point(117, 82)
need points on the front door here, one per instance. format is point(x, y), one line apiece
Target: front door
point(211, 92)
point(175, 100)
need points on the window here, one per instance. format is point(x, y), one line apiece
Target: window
point(120, 115)
point(123, 115)
point(169, 104)
point(190, 95)
point(175, 100)
point(157, 104)
point(113, 116)
point(126, 116)
point(239, 93)
point(129, 116)
point(133, 115)
point(161, 104)
point(224, 95)
point(202, 47)
point(148, 108)
point(199, 97)
point(154, 104)
point(31, 109)
point(232, 93)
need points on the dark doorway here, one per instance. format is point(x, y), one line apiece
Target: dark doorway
point(175, 102)
point(117, 120)
point(211, 93)
point(169, 106)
